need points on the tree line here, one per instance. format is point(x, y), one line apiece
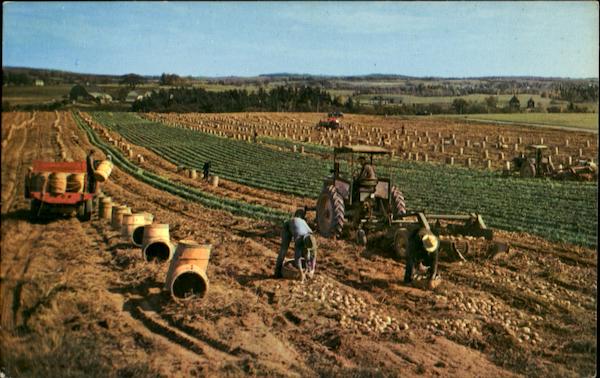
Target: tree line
point(290, 99)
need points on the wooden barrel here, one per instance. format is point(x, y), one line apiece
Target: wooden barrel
point(103, 171)
point(186, 276)
point(57, 183)
point(214, 181)
point(37, 181)
point(117, 216)
point(156, 243)
point(137, 234)
point(105, 208)
point(130, 222)
point(75, 182)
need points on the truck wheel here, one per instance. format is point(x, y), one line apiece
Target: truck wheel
point(34, 208)
point(84, 212)
point(330, 212)
point(398, 202)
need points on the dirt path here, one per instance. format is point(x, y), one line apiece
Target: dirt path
point(75, 295)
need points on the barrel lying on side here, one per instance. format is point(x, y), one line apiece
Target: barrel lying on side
point(156, 243)
point(133, 222)
point(187, 272)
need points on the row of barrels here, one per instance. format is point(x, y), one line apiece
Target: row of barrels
point(188, 260)
point(57, 182)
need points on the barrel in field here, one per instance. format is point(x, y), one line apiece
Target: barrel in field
point(132, 222)
point(117, 216)
point(103, 171)
point(37, 181)
point(57, 183)
point(186, 276)
point(75, 182)
point(156, 243)
point(105, 208)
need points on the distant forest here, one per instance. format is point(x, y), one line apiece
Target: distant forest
point(312, 99)
point(315, 93)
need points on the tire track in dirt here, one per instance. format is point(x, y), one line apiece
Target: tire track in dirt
point(17, 235)
point(12, 164)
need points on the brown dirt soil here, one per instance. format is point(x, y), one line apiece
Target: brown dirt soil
point(79, 301)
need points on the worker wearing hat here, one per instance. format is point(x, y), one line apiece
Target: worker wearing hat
point(423, 247)
point(305, 245)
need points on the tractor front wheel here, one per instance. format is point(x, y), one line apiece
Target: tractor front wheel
point(398, 202)
point(330, 212)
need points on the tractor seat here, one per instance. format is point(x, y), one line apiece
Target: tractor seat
point(367, 185)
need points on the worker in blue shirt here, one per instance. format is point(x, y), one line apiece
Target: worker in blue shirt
point(305, 245)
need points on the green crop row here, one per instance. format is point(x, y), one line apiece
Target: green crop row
point(208, 200)
point(558, 211)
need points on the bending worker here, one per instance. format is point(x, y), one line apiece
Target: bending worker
point(305, 245)
point(422, 247)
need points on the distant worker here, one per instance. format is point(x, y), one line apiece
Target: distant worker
point(422, 248)
point(206, 169)
point(305, 245)
point(367, 171)
point(255, 136)
point(402, 129)
point(382, 140)
point(91, 166)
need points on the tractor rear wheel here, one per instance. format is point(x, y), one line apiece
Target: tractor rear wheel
point(528, 170)
point(330, 212)
point(398, 202)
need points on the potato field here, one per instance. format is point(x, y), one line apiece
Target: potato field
point(567, 212)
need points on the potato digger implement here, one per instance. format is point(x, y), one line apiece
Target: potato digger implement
point(352, 205)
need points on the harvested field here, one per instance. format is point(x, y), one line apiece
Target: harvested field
point(77, 300)
point(567, 214)
point(438, 139)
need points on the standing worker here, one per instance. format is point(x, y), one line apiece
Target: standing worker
point(206, 169)
point(255, 136)
point(305, 245)
point(91, 179)
point(422, 247)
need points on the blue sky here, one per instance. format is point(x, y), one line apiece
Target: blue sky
point(448, 39)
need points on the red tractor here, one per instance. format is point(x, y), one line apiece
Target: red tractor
point(59, 188)
point(332, 122)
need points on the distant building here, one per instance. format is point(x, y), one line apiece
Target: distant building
point(530, 103)
point(514, 103)
point(89, 93)
point(39, 83)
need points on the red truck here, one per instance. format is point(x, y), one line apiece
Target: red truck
point(45, 201)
